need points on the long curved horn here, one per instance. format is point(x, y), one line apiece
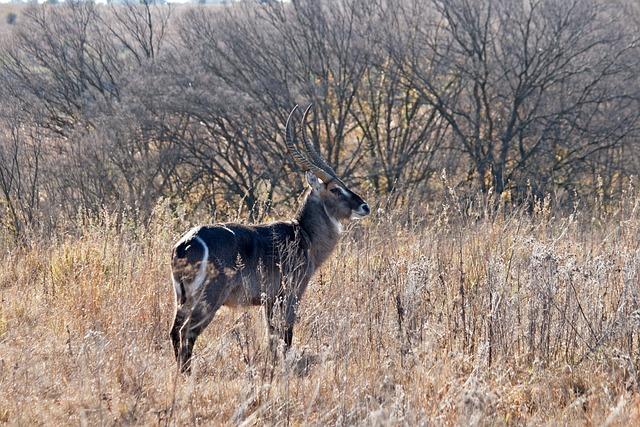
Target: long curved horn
point(310, 150)
point(290, 140)
point(298, 157)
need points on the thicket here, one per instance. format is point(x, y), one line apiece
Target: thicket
point(118, 107)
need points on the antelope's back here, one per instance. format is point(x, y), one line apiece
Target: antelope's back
point(234, 251)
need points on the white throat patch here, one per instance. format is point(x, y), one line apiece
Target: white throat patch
point(337, 226)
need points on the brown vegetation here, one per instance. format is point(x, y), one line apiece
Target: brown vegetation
point(495, 282)
point(456, 318)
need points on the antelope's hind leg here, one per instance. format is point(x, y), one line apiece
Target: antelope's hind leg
point(193, 318)
point(182, 340)
point(187, 326)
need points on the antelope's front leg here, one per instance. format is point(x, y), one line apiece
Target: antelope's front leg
point(193, 317)
point(289, 321)
point(280, 319)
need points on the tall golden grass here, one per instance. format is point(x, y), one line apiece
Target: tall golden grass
point(458, 317)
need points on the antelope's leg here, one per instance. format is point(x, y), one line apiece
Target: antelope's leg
point(271, 316)
point(289, 320)
point(198, 318)
point(267, 310)
point(288, 337)
point(182, 338)
point(280, 318)
point(181, 318)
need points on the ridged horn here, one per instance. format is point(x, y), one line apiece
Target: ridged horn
point(298, 157)
point(310, 150)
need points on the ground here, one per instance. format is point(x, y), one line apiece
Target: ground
point(418, 318)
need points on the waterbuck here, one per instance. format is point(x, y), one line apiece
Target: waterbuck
point(266, 264)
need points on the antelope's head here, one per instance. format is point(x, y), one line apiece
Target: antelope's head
point(338, 200)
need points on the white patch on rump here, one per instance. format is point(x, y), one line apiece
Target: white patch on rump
point(176, 286)
point(201, 276)
point(202, 272)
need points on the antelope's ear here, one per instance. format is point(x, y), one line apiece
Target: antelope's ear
point(313, 181)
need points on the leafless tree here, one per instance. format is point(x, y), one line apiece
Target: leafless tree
point(531, 90)
point(21, 156)
point(122, 105)
point(80, 73)
point(257, 61)
point(402, 135)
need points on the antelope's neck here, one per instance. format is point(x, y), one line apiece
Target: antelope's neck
point(323, 230)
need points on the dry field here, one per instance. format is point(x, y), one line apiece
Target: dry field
point(9, 16)
point(458, 318)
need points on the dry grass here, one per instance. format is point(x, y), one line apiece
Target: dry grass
point(455, 319)
point(7, 9)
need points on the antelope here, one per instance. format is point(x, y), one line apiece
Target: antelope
point(268, 265)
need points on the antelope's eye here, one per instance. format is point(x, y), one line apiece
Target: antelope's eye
point(336, 191)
